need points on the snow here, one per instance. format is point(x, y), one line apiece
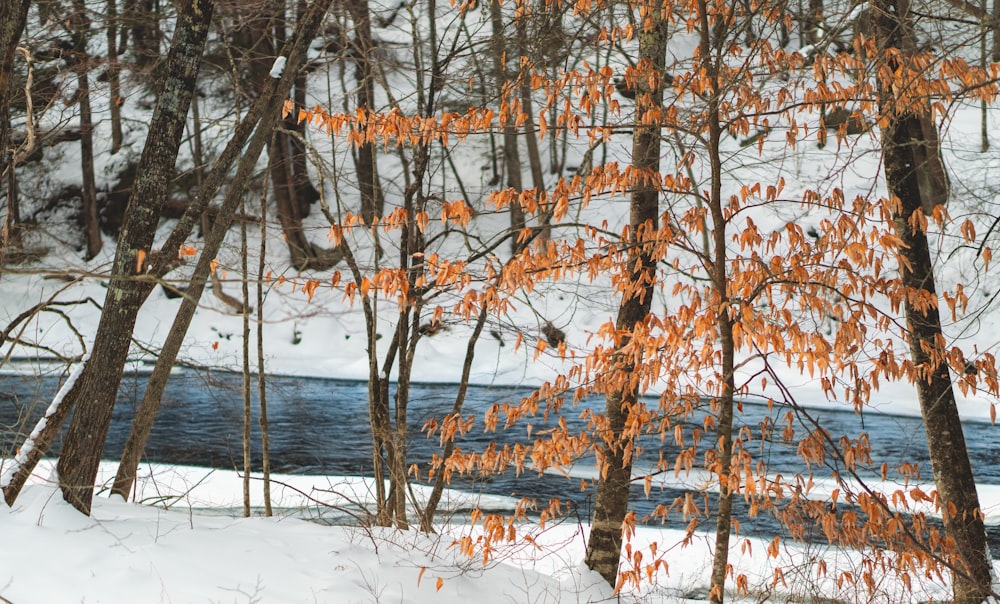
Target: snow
point(278, 67)
point(29, 443)
point(183, 545)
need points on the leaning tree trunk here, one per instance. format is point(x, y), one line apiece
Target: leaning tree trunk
point(102, 375)
point(606, 533)
point(945, 438)
point(271, 90)
point(904, 139)
point(264, 110)
point(11, 27)
point(150, 404)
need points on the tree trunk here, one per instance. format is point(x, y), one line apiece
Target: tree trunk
point(903, 138)
point(984, 136)
point(282, 182)
point(11, 27)
point(149, 406)
point(511, 155)
point(305, 193)
point(531, 138)
point(11, 244)
point(366, 163)
point(142, 18)
point(427, 519)
point(945, 439)
point(247, 399)
point(102, 375)
point(995, 51)
point(88, 190)
point(265, 110)
point(724, 403)
point(280, 169)
point(114, 80)
point(606, 533)
point(814, 22)
point(265, 429)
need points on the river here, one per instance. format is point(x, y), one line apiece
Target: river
point(320, 426)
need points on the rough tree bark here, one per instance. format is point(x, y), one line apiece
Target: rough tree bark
point(98, 386)
point(904, 139)
point(80, 30)
point(366, 160)
point(265, 110)
point(11, 27)
point(605, 543)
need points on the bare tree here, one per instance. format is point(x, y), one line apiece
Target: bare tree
point(80, 24)
point(11, 27)
point(97, 388)
point(259, 121)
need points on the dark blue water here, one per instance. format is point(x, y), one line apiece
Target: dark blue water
point(321, 427)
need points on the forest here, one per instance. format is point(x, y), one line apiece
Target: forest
point(677, 208)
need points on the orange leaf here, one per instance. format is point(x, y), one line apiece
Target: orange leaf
point(420, 575)
point(438, 584)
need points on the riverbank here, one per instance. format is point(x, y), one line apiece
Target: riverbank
point(180, 547)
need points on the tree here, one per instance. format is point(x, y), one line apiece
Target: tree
point(79, 26)
point(98, 385)
point(10, 35)
point(604, 545)
point(161, 263)
point(511, 152)
point(365, 161)
point(905, 116)
point(260, 120)
point(719, 284)
point(743, 296)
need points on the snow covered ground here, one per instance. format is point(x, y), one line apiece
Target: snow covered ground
point(182, 545)
point(196, 551)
